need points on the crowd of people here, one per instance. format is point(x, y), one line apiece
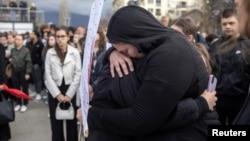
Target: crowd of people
point(150, 85)
point(18, 11)
point(37, 58)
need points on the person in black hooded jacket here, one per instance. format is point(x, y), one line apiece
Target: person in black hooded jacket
point(166, 76)
point(117, 93)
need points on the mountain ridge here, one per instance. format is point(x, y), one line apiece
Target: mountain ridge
point(76, 19)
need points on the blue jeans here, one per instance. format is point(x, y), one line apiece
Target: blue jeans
point(37, 78)
point(13, 15)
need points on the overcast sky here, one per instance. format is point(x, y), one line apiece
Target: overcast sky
point(76, 6)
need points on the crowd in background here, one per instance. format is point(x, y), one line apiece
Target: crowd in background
point(25, 56)
point(18, 11)
point(46, 57)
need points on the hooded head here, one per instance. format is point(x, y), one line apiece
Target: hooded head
point(138, 27)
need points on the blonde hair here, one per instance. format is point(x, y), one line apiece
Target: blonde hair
point(205, 56)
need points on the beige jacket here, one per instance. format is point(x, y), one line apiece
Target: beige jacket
point(70, 71)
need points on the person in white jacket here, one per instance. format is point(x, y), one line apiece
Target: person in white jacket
point(62, 79)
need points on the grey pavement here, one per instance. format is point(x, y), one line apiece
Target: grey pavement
point(32, 125)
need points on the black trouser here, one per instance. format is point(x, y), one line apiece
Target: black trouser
point(19, 82)
point(57, 125)
point(4, 128)
point(4, 131)
point(228, 109)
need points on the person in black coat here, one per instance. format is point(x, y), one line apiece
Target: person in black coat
point(117, 93)
point(230, 56)
point(166, 76)
point(5, 134)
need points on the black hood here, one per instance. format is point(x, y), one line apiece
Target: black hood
point(136, 26)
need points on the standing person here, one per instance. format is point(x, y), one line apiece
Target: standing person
point(62, 79)
point(187, 27)
point(51, 42)
point(97, 61)
point(52, 29)
point(21, 70)
point(165, 20)
point(11, 40)
point(166, 76)
point(13, 6)
point(23, 4)
point(229, 25)
point(75, 43)
point(33, 13)
point(36, 46)
point(5, 133)
point(4, 42)
point(229, 60)
point(81, 31)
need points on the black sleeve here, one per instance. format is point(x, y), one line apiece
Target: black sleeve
point(162, 88)
point(187, 111)
point(122, 92)
point(246, 56)
point(2, 66)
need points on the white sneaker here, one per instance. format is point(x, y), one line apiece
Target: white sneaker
point(32, 94)
point(17, 108)
point(38, 97)
point(45, 97)
point(23, 108)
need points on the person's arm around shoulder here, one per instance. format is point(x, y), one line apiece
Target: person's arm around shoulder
point(189, 110)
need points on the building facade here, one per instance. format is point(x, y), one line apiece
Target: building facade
point(171, 8)
point(64, 14)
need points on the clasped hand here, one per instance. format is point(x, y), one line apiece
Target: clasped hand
point(62, 98)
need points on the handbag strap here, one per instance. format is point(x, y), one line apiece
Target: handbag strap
point(58, 105)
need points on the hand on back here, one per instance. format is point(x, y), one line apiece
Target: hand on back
point(120, 63)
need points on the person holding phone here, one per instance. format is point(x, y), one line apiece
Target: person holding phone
point(212, 82)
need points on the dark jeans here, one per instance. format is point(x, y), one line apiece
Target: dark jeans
point(5, 133)
point(19, 82)
point(24, 15)
point(37, 78)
